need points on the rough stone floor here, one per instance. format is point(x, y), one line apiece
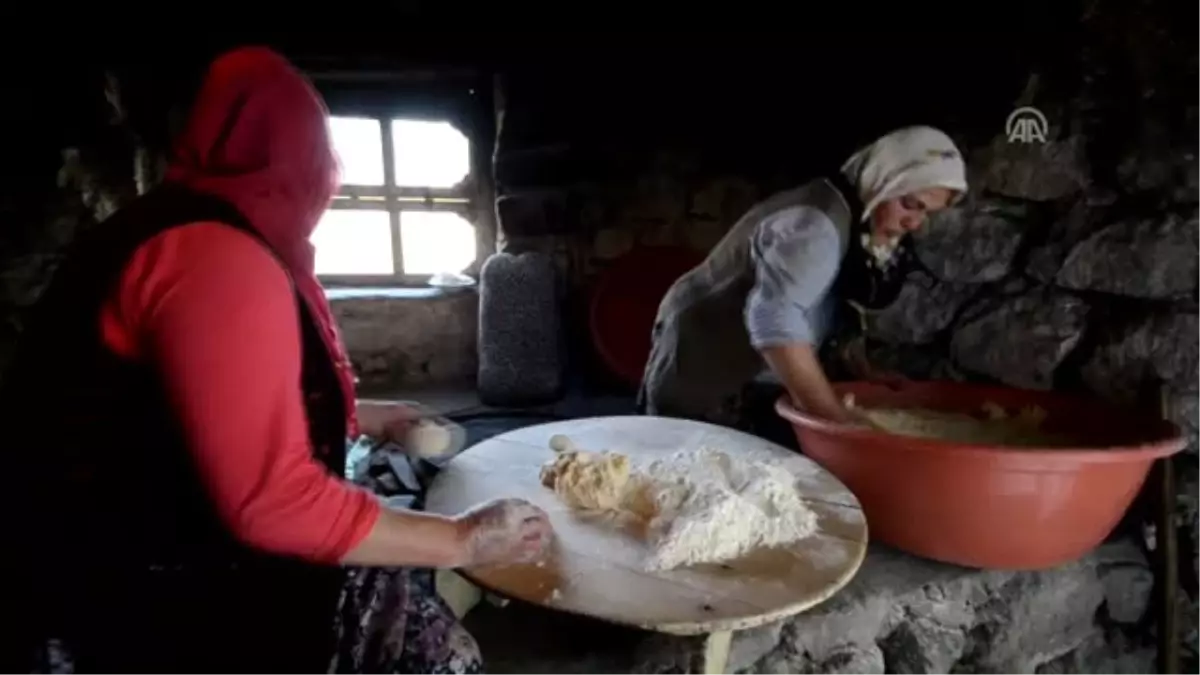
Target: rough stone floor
point(899, 615)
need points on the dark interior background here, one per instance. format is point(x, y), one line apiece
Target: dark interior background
point(795, 92)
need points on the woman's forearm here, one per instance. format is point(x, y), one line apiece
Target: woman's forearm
point(505, 531)
point(798, 368)
point(412, 539)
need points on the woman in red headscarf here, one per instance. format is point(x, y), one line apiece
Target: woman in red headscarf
point(190, 514)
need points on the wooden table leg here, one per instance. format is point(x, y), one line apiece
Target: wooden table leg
point(716, 651)
point(1167, 563)
point(1166, 558)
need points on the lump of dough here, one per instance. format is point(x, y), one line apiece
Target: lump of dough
point(561, 443)
point(586, 480)
point(427, 439)
point(998, 429)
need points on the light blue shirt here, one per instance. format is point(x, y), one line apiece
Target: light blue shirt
point(796, 254)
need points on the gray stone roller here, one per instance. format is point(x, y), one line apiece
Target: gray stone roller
point(521, 354)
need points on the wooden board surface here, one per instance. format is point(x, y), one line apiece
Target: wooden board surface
point(596, 567)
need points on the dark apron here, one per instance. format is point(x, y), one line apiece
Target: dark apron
point(117, 549)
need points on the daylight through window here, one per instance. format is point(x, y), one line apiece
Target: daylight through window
point(403, 206)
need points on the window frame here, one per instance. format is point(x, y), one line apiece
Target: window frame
point(393, 199)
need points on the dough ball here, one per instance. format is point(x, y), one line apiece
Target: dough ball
point(427, 439)
point(561, 443)
point(589, 481)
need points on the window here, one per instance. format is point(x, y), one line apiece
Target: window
point(402, 211)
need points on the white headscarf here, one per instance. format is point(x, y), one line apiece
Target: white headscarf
point(904, 161)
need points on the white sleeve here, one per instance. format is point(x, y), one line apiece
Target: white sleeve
point(796, 254)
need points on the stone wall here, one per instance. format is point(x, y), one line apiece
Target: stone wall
point(664, 200)
point(404, 340)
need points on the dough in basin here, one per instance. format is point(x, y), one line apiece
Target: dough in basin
point(994, 426)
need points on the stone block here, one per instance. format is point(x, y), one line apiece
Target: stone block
point(916, 362)
point(1034, 171)
point(1184, 410)
point(1131, 360)
point(1127, 589)
point(1157, 162)
point(1187, 511)
point(1021, 340)
point(924, 307)
point(1116, 653)
point(922, 645)
point(972, 243)
point(1083, 218)
point(1153, 257)
point(902, 614)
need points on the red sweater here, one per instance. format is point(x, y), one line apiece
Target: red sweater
point(215, 313)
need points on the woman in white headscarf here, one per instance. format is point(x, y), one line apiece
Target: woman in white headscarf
point(763, 301)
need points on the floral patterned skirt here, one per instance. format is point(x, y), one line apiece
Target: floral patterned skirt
point(391, 620)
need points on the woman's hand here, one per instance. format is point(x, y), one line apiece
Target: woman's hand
point(504, 531)
point(387, 420)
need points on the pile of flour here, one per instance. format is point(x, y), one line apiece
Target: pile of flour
point(710, 508)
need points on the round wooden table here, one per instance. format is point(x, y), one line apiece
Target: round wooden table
point(596, 567)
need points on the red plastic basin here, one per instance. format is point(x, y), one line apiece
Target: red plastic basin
point(625, 303)
point(986, 506)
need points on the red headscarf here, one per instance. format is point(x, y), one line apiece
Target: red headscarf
point(258, 137)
